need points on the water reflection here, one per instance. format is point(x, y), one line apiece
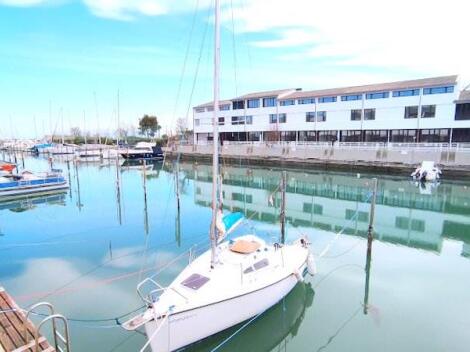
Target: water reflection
point(19, 205)
point(405, 216)
point(284, 320)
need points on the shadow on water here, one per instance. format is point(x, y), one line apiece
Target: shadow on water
point(284, 320)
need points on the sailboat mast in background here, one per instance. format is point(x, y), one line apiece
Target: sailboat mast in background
point(215, 156)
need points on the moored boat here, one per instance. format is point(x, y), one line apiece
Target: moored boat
point(27, 182)
point(231, 282)
point(427, 171)
point(143, 150)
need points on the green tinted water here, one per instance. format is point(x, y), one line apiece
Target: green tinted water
point(86, 250)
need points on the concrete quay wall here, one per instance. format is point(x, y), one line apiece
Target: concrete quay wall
point(454, 162)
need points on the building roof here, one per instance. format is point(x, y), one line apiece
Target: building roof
point(279, 93)
point(296, 93)
point(417, 83)
point(464, 97)
point(209, 104)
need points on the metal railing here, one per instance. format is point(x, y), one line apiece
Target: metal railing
point(338, 145)
point(61, 341)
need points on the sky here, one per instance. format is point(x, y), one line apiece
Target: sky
point(63, 63)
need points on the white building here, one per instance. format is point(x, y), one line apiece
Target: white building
point(422, 110)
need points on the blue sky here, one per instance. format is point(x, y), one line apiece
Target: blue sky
point(59, 54)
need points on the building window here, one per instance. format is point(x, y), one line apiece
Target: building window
point(252, 103)
point(307, 136)
point(198, 110)
point(249, 120)
point(277, 118)
point(321, 116)
point(361, 216)
point(378, 95)
point(402, 222)
point(356, 115)
point(221, 121)
point(462, 111)
point(254, 136)
point(210, 108)
point(403, 136)
point(461, 135)
point(239, 120)
point(224, 107)
point(238, 104)
point(197, 122)
point(351, 136)
point(376, 136)
point(327, 136)
point(405, 93)
point(417, 225)
point(287, 102)
point(268, 102)
point(288, 136)
point(327, 99)
point(411, 112)
point(310, 208)
point(438, 90)
point(440, 135)
point(310, 116)
point(351, 97)
point(369, 114)
point(306, 101)
point(428, 111)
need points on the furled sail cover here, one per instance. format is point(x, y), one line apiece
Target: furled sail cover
point(228, 223)
point(231, 221)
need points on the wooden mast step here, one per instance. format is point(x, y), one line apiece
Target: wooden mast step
point(13, 323)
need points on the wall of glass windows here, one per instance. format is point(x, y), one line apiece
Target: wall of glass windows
point(437, 135)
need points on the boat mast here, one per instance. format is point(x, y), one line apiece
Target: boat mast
point(118, 122)
point(215, 156)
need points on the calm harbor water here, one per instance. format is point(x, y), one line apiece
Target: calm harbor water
point(86, 250)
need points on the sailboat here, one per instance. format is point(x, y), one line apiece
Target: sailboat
point(231, 282)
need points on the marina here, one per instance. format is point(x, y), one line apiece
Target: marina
point(86, 253)
point(225, 176)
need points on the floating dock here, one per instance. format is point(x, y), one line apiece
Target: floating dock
point(13, 323)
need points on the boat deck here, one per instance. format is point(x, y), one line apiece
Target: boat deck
point(12, 324)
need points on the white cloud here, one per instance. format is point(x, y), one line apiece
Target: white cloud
point(22, 3)
point(425, 37)
point(125, 9)
point(129, 9)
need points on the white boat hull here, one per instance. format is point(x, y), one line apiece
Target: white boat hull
point(184, 328)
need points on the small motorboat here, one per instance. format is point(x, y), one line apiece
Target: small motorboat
point(143, 150)
point(427, 171)
point(27, 182)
